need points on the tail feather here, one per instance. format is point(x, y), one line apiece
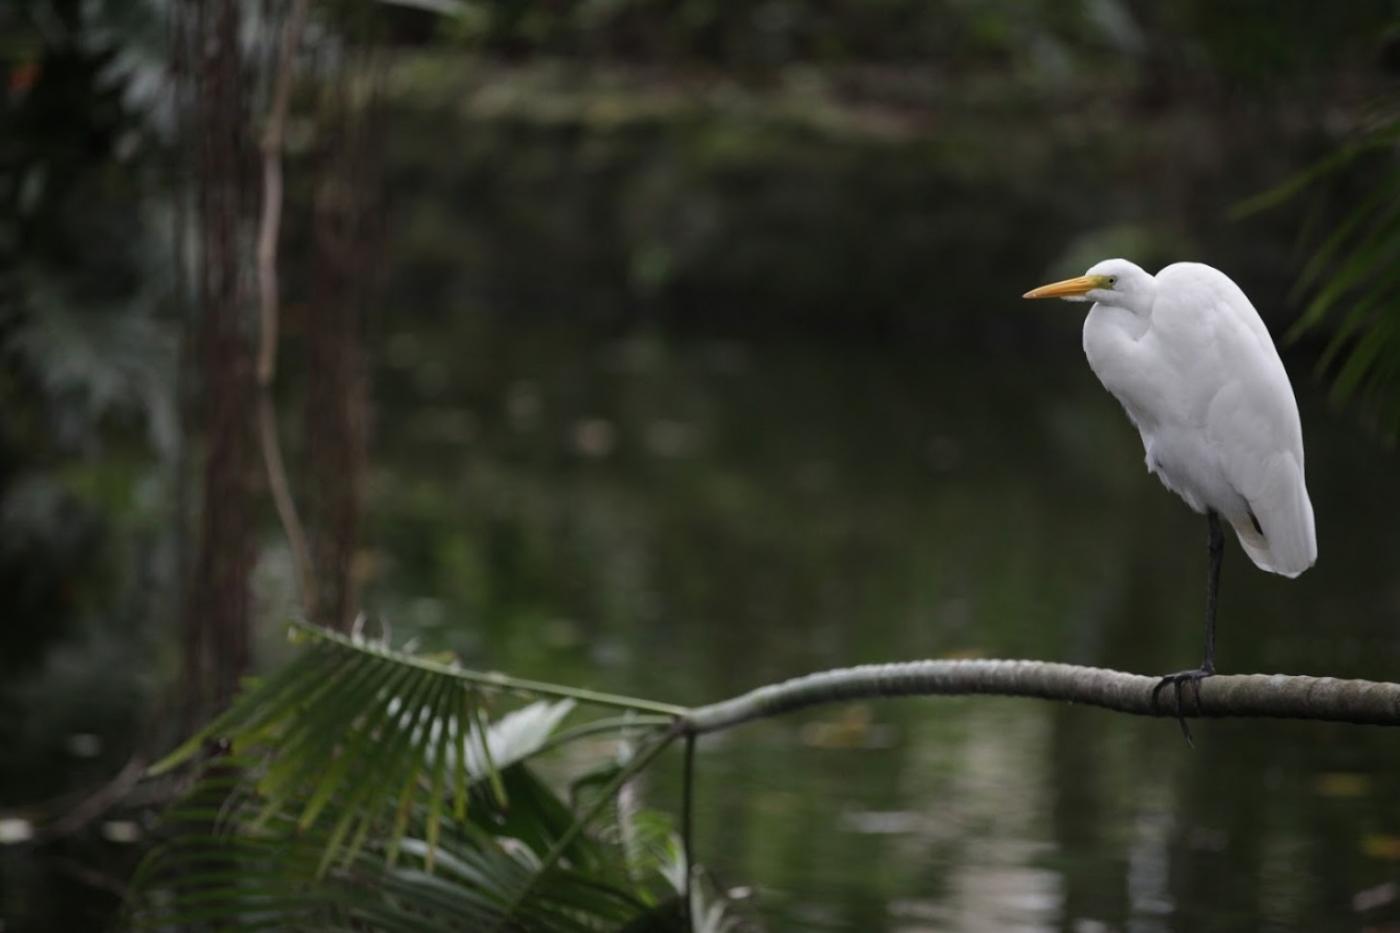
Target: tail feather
point(1288, 542)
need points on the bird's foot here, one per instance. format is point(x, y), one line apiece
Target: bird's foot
point(1177, 680)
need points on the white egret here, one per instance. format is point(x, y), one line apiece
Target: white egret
point(1194, 368)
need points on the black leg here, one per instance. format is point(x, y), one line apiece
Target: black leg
point(1215, 546)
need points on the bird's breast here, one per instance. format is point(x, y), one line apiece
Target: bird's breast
point(1117, 346)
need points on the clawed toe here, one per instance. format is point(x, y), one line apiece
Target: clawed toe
point(1194, 678)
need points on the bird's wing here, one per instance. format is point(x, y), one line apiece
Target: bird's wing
point(1248, 418)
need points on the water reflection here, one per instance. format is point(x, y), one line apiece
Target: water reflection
point(690, 518)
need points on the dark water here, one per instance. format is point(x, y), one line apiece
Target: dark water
point(686, 518)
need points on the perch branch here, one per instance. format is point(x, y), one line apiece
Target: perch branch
point(1245, 696)
point(1279, 696)
point(269, 232)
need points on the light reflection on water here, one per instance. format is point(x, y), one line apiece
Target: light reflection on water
point(687, 520)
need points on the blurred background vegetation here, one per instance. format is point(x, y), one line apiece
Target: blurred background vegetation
point(672, 347)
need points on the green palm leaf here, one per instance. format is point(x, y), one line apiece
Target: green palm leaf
point(1353, 276)
point(368, 788)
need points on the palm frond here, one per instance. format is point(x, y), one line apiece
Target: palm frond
point(360, 787)
point(1353, 275)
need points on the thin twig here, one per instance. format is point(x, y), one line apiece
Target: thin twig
point(688, 827)
point(270, 227)
point(99, 801)
point(269, 233)
point(585, 819)
point(91, 877)
point(493, 679)
point(627, 722)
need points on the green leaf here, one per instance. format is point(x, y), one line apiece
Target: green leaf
point(1354, 277)
point(344, 761)
point(483, 748)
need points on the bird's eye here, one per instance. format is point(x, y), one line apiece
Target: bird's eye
point(1112, 281)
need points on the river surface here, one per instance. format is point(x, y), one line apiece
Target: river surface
point(685, 518)
point(619, 441)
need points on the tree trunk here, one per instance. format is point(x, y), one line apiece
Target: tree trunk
point(345, 241)
point(217, 609)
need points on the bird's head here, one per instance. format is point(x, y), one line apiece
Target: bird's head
point(1115, 282)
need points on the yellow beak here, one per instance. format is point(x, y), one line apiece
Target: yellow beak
point(1069, 288)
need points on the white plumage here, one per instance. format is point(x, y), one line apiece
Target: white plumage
point(1195, 369)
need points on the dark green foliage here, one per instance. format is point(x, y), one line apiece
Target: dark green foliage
point(1352, 278)
point(1251, 41)
point(87, 420)
point(357, 787)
